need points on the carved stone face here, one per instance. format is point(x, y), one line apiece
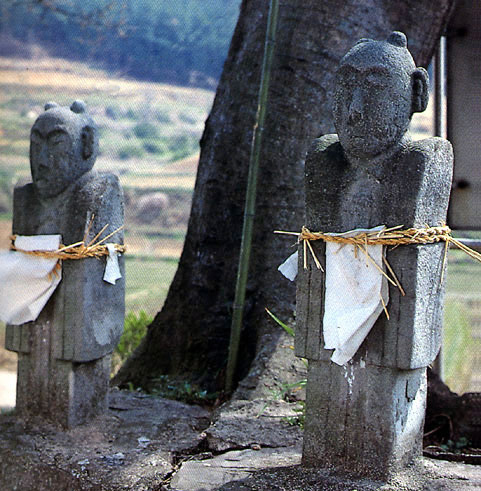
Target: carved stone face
point(378, 87)
point(63, 147)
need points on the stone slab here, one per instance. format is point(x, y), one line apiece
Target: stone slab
point(243, 424)
point(138, 443)
point(207, 475)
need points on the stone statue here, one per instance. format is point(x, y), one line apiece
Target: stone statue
point(367, 416)
point(64, 355)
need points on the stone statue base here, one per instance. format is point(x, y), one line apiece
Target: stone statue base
point(365, 420)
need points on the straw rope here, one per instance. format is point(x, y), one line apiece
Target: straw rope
point(79, 250)
point(394, 236)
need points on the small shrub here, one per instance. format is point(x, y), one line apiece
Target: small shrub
point(130, 151)
point(131, 114)
point(146, 131)
point(155, 148)
point(182, 390)
point(135, 328)
point(162, 116)
point(187, 118)
point(113, 113)
point(182, 146)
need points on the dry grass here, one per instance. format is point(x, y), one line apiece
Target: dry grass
point(61, 75)
point(5, 232)
point(8, 359)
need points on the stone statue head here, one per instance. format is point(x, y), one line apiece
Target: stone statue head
point(378, 88)
point(63, 147)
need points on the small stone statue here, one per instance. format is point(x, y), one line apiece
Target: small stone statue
point(64, 355)
point(367, 416)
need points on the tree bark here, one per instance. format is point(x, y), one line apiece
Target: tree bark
point(189, 336)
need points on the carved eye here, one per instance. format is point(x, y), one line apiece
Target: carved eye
point(375, 80)
point(58, 138)
point(35, 137)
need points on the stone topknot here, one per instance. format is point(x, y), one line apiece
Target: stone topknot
point(50, 105)
point(78, 107)
point(397, 38)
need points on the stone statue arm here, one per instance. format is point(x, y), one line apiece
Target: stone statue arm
point(324, 184)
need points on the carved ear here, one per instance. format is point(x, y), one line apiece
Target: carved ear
point(88, 141)
point(420, 81)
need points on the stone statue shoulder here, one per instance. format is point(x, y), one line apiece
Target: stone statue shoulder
point(439, 151)
point(427, 166)
point(324, 182)
point(430, 177)
point(97, 194)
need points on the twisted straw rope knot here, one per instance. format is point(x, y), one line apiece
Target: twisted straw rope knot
point(79, 250)
point(391, 236)
point(74, 251)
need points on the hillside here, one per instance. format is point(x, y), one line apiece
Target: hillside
point(149, 135)
point(181, 41)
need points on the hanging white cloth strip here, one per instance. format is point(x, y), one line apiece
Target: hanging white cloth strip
point(26, 281)
point(112, 270)
point(354, 289)
point(355, 293)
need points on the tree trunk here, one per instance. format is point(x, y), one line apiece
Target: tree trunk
point(189, 337)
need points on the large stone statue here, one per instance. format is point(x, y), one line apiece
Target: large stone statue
point(64, 355)
point(367, 415)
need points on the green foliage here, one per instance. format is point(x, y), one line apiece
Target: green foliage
point(113, 112)
point(285, 391)
point(301, 416)
point(182, 41)
point(156, 148)
point(284, 326)
point(182, 146)
point(6, 185)
point(187, 118)
point(457, 446)
point(135, 328)
point(182, 391)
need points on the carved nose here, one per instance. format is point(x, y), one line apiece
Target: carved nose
point(355, 108)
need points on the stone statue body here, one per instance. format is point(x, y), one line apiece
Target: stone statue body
point(367, 417)
point(64, 361)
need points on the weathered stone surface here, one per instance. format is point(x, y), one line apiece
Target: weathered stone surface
point(242, 424)
point(367, 416)
point(86, 313)
point(136, 444)
point(64, 354)
point(347, 428)
point(206, 475)
point(426, 475)
point(342, 196)
point(130, 447)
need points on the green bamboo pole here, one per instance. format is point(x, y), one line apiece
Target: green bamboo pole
point(250, 205)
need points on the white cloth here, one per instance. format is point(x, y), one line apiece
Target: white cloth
point(27, 282)
point(289, 267)
point(112, 271)
point(354, 287)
